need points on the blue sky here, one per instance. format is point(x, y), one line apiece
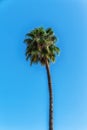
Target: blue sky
point(23, 89)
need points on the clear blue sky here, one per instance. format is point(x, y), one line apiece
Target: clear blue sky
point(23, 89)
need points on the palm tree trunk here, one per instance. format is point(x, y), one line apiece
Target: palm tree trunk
point(50, 97)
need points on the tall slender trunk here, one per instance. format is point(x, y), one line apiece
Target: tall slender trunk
point(50, 97)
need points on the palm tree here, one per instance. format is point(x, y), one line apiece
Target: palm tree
point(41, 48)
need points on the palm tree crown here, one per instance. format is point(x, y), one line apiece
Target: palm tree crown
point(41, 46)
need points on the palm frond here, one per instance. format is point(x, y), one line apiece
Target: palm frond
point(28, 41)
